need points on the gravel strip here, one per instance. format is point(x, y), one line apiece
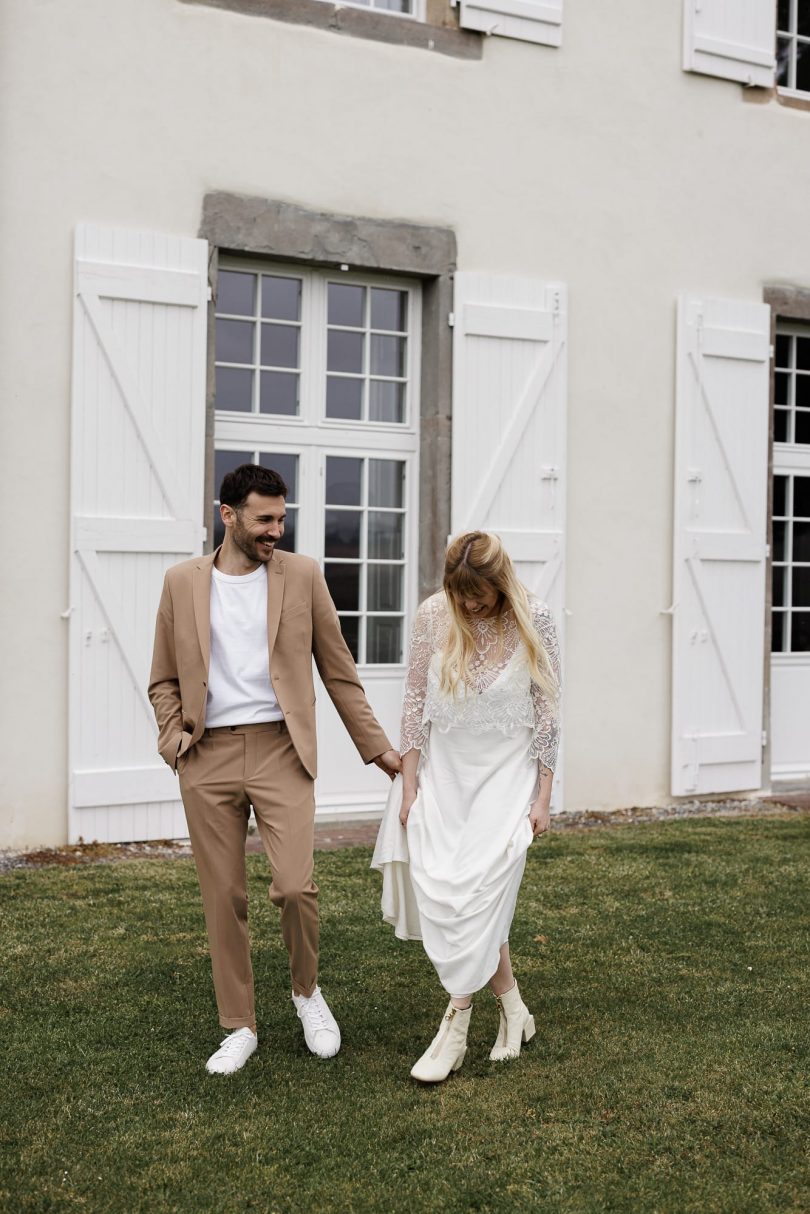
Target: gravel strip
point(332, 837)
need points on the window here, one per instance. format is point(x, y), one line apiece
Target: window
point(792, 387)
point(791, 564)
point(364, 553)
point(399, 8)
point(317, 376)
point(793, 46)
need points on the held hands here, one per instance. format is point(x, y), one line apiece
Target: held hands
point(389, 762)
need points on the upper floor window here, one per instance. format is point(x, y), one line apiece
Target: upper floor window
point(793, 46)
point(400, 8)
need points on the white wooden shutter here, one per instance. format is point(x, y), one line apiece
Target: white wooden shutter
point(137, 467)
point(721, 465)
point(509, 393)
point(733, 39)
point(529, 20)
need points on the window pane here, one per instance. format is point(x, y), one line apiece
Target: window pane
point(343, 481)
point(236, 293)
point(384, 536)
point(800, 631)
point(801, 497)
point(281, 298)
point(783, 46)
point(802, 391)
point(779, 495)
point(800, 586)
point(287, 541)
point(227, 461)
point(286, 466)
point(781, 388)
point(394, 6)
point(383, 640)
point(803, 73)
point(389, 309)
point(344, 398)
point(344, 585)
point(779, 541)
point(779, 585)
point(280, 346)
point(386, 401)
point(278, 393)
point(344, 351)
point(219, 528)
point(803, 353)
point(385, 588)
point(234, 341)
point(801, 542)
point(342, 533)
point(780, 425)
point(782, 350)
point(777, 632)
point(346, 305)
point(783, 16)
point(387, 355)
point(803, 15)
point(234, 389)
point(802, 424)
point(349, 626)
point(385, 477)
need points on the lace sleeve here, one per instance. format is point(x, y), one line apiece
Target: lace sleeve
point(414, 730)
point(546, 732)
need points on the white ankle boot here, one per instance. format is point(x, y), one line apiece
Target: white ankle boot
point(517, 1024)
point(447, 1049)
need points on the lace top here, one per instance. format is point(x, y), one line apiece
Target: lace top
point(499, 692)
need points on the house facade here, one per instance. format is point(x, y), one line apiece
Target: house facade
point(542, 268)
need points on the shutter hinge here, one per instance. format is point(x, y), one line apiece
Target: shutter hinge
point(451, 319)
point(764, 738)
point(771, 352)
point(767, 551)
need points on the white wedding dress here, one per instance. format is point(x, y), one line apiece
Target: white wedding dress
point(452, 878)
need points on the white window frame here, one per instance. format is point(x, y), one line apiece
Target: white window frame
point(790, 90)
point(418, 14)
point(790, 459)
point(312, 436)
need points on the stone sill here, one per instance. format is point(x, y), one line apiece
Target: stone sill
point(358, 23)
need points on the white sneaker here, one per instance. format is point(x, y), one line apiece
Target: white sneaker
point(320, 1027)
point(233, 1053)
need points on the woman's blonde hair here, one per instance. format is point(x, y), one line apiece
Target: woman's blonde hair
point(475, 563)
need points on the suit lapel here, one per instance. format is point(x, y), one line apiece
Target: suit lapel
point(276, 572)
point(201, 598)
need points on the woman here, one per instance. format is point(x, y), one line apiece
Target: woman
point(479, 745)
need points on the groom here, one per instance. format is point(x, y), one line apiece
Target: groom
point(233, 693)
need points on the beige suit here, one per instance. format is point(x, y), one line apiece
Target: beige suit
point(272, 767)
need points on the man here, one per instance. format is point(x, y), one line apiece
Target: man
point(232, 690)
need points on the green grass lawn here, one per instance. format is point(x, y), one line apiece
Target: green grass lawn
point(666, 966)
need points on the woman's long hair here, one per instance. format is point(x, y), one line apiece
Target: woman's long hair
point(475, 563)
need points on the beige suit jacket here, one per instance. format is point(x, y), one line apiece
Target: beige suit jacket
point(301, 624)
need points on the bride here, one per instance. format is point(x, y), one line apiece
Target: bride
point(479, 746)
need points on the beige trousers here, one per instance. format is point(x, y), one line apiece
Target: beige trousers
point(230, 769)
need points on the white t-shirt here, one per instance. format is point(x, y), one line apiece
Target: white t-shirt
point(239, 687)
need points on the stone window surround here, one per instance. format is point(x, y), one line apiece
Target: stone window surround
point(787, 303)
point(281, 231)
point(439, 33)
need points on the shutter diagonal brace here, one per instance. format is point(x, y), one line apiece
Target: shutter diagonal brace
point(514, 432)
point(694, 360)
point(132, 400)
point(692, 565)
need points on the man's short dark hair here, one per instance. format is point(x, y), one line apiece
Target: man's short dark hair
point(247, 479)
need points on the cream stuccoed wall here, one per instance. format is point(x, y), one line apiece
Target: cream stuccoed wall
point(600, 164)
